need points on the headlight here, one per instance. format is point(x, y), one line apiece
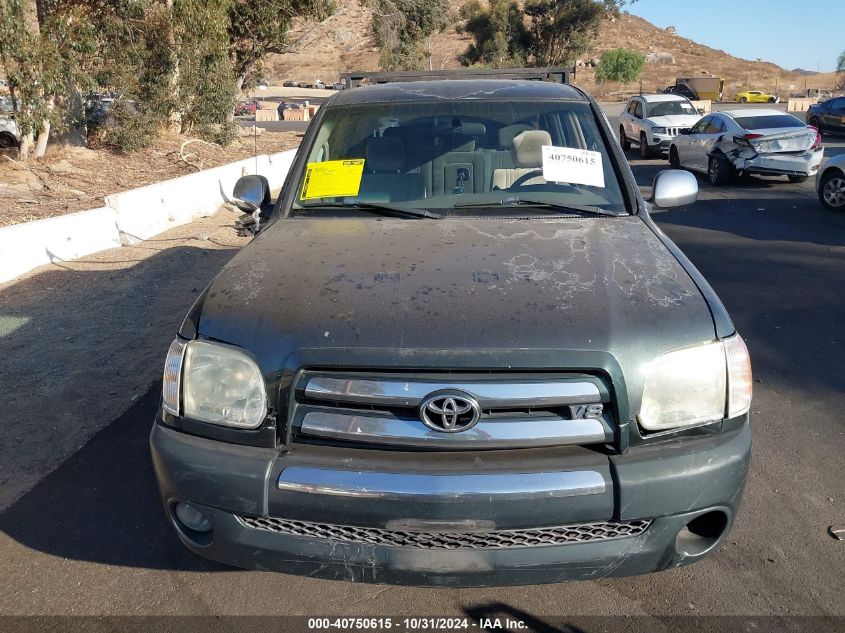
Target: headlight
point(697, 385)
point(658, 130)
point(218, 383)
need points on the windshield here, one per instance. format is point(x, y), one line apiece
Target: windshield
point(666, 108)
point(768, 121)
point(451, 154)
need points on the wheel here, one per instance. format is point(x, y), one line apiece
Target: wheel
point(771, 99)
point(674, 159)
point(743, 100)
point(623, 140)
point(644, 153)
point(832, 190)
point(815, 123)
point(7, 140)
point(797, 179)
point(718, 171)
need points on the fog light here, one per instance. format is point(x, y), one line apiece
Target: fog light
point(192, 518)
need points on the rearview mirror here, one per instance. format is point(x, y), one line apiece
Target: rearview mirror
point(251, 193)
point(674, 188)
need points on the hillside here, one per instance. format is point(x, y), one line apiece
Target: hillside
point(343, 43)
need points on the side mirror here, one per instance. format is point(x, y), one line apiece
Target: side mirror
point(674, 188)
point(251, 193)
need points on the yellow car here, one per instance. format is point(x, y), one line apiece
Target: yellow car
point(755, 96)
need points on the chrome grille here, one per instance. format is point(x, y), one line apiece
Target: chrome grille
point(514, 411)
point(532, 537)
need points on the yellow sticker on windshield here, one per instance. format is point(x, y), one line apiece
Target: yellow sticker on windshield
point(332, 178)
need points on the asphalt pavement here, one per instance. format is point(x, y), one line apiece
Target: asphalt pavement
point(90, 537)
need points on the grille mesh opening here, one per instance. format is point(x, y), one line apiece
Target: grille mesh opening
point(531, 537)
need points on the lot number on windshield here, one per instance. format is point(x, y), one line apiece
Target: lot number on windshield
point(577, 166)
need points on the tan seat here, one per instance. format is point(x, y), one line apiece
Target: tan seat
point(527, 153)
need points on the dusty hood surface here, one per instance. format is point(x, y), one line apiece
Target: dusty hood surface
point(316, 291)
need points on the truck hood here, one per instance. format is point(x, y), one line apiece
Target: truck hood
point(418, 292)
point(675, 120)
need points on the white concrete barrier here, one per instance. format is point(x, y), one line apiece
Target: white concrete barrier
point(704, 104)
point(800, 105)
point(148, 211)
point(32, 244)
point(131, 216)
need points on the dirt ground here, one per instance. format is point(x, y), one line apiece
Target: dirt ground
point(66, 374)
point(71, 179)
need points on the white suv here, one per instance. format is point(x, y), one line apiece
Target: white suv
point(652, 121)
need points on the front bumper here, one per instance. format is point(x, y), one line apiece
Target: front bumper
point(671, 484)
point(660, 143)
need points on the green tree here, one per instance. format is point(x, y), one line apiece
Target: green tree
point(400, 28)
point(500, 37)
point(46, 56)
point(620, 64)
point(543, 33)
point(561, 30)
point(258, 27)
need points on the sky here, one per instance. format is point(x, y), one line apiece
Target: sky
point(808, 35)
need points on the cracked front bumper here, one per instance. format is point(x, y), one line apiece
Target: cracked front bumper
point(670, 483)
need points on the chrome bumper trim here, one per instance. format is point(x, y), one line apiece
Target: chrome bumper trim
point(490, 395)
point(512, 432)
point(441, 487)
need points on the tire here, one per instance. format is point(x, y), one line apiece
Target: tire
point(674, 159)
point(743, 100)
point(797, 179)
point(7, 140)
point(772, 100)
point(718, 171)
point(623, 140)
point(645, 152)
point(815, 123)
point(832, 190)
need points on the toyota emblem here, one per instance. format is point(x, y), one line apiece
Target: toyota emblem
point(450, 412)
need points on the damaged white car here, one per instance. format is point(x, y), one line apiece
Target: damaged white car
point(736, 142)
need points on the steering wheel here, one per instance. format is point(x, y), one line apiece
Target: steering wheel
point(526, 177)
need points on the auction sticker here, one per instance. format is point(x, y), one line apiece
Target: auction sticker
point(575, 166)
point(332, 178)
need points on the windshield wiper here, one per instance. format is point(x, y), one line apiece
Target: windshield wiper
point(376, 207)
point(537, 204)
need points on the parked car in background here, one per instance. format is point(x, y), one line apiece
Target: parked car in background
point(652, 121)
point(246, 107)
point(10, 135)
point(681, 90)
point(319, 85)
point(339, 85)
point(291, 84)
point(750, 141)
point(755, 96)
point(828, 116)
point(830, 183)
